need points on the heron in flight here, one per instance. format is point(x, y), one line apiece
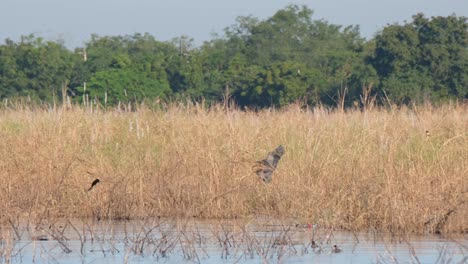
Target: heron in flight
point(268, 165)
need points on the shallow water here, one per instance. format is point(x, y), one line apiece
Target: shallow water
point(237, 241)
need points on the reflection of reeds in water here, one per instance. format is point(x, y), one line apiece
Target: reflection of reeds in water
point(156, 239)
point(353, 170)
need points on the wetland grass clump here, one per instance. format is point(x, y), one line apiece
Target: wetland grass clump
point(355, 170)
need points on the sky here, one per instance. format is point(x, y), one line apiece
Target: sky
point(74, 21)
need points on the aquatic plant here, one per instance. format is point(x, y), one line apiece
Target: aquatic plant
point(355, 170)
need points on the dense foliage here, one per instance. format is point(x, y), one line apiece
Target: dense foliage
point(273, 62)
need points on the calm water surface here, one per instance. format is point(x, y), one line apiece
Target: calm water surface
point(239, 241)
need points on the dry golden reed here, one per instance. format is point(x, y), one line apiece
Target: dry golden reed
point(357, 170)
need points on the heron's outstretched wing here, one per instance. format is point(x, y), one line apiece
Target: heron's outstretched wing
point(269, 164)
point(273, 157)
point(265, 174)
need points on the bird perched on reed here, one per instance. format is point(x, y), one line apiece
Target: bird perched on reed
point(95, 182)
point(265, 168)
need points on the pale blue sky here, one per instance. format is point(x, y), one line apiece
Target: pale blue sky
point(74, 21)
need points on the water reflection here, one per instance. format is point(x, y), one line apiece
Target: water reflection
point(235, 241)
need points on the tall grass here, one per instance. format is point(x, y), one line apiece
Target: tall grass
point(355, 170)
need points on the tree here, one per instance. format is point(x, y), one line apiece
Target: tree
point(125, 68)
point(34, 68)
point(325, 52)
point(125, 85)
point(426, 59)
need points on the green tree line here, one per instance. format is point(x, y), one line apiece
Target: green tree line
point(258, 63)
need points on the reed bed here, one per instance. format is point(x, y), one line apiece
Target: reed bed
point(356, 170)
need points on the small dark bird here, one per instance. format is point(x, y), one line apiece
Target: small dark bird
point(313, 244)
point(269, 164)
point(95, 182)
point(427, 133)
point(336, 249)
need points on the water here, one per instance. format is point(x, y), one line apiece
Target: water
point(236, 241)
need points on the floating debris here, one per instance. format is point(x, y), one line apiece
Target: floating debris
point(40, 238)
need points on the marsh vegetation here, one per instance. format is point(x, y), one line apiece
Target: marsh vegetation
point(353, 170)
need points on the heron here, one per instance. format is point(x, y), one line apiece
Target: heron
point(268, 165)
